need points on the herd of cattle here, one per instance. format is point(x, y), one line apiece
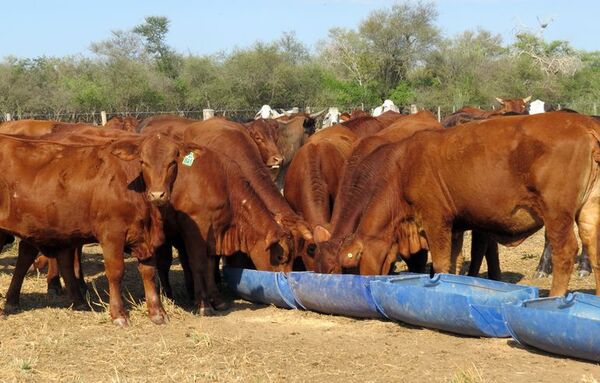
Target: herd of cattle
point(357, 196)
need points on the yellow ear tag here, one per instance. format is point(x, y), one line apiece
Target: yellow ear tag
point(189, 159)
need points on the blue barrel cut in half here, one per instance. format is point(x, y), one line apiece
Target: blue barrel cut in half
point(454, 303)
point(338, 294)
point(261, 286)
point(561, 325)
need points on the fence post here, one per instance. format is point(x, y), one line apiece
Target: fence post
point(595, 110)
point(439, 113)
point(103, 117)
point(208, 113)
point(181, 113)
point(307, 110)
point(8, 117)
point(453, 108)
point(413, 109)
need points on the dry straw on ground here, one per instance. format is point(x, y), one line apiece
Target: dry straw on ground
point(46, 341)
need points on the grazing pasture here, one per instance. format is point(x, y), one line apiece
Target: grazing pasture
point(46, 341)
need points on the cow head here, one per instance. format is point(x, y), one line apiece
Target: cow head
point(274, 253)
point(326, 257)
point(158, 156)
point(264, 134)
point(332, 117)
point(518, 105)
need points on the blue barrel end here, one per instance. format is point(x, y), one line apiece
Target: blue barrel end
point(567, 326)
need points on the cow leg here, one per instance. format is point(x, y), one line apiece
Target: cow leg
point(53, 276)
point(65, 258)
point(439, 239)
point(197, 251)
point(188, 277)
point(479, 245)
point(216, 300)
point(587, 223)
point(164, 260)
point(584, 268)
point(492, 259)
point(156, 312)
point(559, 230)
point(114, 268)
point(456, 255)
point(79, 270)
point(25, 258)
point(544, 268)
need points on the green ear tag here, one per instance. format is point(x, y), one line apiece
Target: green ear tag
point(188, 160)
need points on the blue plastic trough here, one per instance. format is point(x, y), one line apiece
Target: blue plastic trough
point(562, 325)
point(345, 294)
point(261, 286)
point(459, 304)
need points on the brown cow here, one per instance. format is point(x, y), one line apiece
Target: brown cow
point(262, 133)
point(358, 185)
point(215, 211)
point(507, 177)
point(93, 193)
point(126, 123)
point(312, 180)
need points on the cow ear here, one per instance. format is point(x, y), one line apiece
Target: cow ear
point(196, 149)
point(321, 234)
point(125, 149)
point(526, 99)
point(270, 240)
point(501, 101)
point(352, 257)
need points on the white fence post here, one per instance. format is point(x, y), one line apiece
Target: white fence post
point(413, 109)
point(8, 117)
point(439, 113)
point(595, 110)
point(208, 113)
point(103, 117)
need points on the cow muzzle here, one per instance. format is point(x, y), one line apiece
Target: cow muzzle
point(275, 162)
point(158, 197)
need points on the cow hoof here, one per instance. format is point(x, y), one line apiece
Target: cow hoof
point(584, 273)
point(220, 305)
point(55, 291)
point(205, 311)
point(11, 308)
point(121, 322)
point(540, 275)
point(81, 307)
point(159, 318)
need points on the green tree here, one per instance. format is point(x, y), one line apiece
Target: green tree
point(154, 31)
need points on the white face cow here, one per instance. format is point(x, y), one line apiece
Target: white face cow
point(332, 117)
point(266, 112)
point(387, 105)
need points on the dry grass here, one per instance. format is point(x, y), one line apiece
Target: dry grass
point(46, 341)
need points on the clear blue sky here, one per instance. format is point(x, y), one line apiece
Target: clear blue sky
point(31, 28)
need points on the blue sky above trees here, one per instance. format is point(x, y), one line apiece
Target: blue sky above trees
point(62, 27)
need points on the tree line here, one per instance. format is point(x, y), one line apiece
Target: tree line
point(397, 53)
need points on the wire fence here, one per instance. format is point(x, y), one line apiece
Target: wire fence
point(243, 115)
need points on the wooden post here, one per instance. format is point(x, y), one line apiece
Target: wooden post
point(103, 117)
point(181, 114)
point(413, 109)
point(439, 114)
point(595, 110)
point(453, 108)
point(307, 110)
point(8, 117)
point(208, 113)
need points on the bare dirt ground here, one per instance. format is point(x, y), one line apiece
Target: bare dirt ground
point(46, 341)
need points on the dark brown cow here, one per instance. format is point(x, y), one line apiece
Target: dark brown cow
point(507, 177)
point(92, 193)
point(357, 185)
point(467, 114)
point(215, 211)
